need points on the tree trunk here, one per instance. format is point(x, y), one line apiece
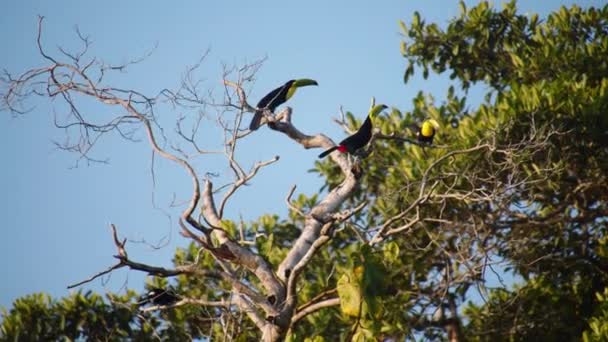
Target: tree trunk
point(453, 330)
point(272, 333)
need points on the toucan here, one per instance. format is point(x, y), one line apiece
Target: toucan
point(426, 132)
point(276, 98)
point(158, 296)
point(360, 138)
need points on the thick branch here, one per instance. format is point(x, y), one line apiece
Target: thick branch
point(243, 256)
point(249, 309)
point(325, 235)
point(327, 206)
point(314, 308)
point(184, 301)
point(320, 217)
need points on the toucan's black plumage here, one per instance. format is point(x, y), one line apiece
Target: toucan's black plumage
point(158, 296)
point(360, 138)
point(276, 98)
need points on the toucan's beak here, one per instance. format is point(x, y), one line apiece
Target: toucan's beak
point(434, 123)
point(303, 82)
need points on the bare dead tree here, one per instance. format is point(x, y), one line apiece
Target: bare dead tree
point(74, 74)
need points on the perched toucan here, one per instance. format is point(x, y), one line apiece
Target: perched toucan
point(426, 132)
point(277, 97)
point(158, 296)
point(360, 138)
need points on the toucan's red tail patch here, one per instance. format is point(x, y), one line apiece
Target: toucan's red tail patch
point(342, 148)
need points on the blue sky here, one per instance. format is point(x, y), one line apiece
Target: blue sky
point(55, 228)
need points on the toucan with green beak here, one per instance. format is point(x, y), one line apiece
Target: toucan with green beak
point(360, 138)
point(276, 98)
point(426, 132)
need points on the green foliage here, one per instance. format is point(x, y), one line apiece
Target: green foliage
point(547, 207)
point(538, 310)
point(598, 324)
point(359, 287)
point(362, 290)
point(545, 76)
point(37, 317)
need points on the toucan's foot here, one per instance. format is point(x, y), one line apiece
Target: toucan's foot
point(356, 170)
point(424, 153)
point(363, 153)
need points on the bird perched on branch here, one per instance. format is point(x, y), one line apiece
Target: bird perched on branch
point(158, 296)
point(426, 132)
point(276, 98)
point(358, 140)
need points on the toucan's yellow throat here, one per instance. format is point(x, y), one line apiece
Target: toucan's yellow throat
point(427, 130)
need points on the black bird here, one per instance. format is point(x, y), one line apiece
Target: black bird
point(158, 296)
point(277, 97)
point(360, 138)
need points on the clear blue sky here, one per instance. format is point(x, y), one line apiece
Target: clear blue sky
point(55, 219)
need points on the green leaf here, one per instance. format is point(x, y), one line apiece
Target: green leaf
point(403, 26)
point(349, 291)
point(416, 20)
point(403, 48)
point(409, 71)
point(391, 251)
point(516, 60)
point(462, 7)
